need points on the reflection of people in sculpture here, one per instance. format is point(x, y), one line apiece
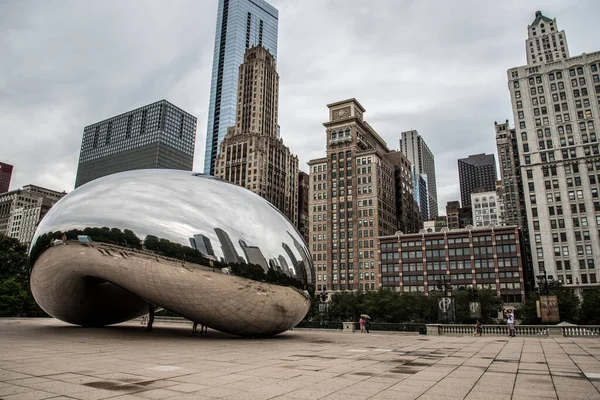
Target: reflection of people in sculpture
point(151, 309)
point(202, 329)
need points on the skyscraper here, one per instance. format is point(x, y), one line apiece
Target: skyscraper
point(421, 158)
point(251, 155)
point(159, 135)
point(555, 108)
point(476, 173)
point(5, 175)
point(353, 200)
point(241, 24)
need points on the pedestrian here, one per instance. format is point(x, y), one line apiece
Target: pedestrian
point(367, 324)
point(478, 329)
point(151, 310)
point(510, 320)
point(361, 322)
point(194, 328)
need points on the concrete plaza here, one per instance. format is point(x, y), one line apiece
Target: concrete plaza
point(44, 358)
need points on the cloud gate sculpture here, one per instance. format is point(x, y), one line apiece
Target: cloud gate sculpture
point(205, 249)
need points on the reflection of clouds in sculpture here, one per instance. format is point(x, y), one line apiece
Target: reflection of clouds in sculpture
point(177, 205)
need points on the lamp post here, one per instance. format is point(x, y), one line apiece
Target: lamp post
point(445, 286)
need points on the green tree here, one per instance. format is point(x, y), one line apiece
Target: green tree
point(13, 259)
point(568, 306)
point(590, 307)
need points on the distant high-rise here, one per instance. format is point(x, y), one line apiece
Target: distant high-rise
point(476, 173)
point(421, 193)
point(159, 135)
point(421, 158)
point(251, 155)
point(241, 24)
point(5, 175)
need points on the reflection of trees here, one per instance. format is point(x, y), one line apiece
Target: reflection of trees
point(166, 248)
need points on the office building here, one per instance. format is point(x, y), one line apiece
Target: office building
point(421, 193)
point(555, 107)
point(251, 155)
point(488, 209)
point(353, 200)
point(241, 24)
point(5, 176)
point(453, 214)
point(303, 221)
point(21, 210)
point(421, 158)
point(510, 174)
point(159, 135)
point(486, 258)
point(408, 215)
point(476, 173)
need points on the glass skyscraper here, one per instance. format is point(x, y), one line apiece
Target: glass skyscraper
point(240, 24)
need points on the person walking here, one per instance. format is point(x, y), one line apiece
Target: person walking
point(510, 320)
point(151, 310)
point(361, 322)
point(367, 325)
point(478, 329)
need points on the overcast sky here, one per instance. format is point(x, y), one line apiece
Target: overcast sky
point(435, 66)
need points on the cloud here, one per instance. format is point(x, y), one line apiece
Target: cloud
point(438, 67)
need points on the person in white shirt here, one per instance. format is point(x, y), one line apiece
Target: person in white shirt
point(510, 320)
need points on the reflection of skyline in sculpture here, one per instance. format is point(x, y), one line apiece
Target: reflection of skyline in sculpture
point(254, 255)
point(203, 245)
point(305, 276)
point(141, 223)
point(229, 252)
point(284, 265)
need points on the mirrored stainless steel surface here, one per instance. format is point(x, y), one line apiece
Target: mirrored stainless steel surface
point(208, 250)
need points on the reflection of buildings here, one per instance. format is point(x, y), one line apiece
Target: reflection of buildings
point(284, 265)
point(251, 155)
point(21, 210)
point(301, 266)
point(240, 24)
point(229, 252)
point(303, 188)
point(203, 245)
point(158, 135)
point(254, 255)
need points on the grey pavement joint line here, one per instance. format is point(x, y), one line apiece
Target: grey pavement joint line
point(577, 365)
